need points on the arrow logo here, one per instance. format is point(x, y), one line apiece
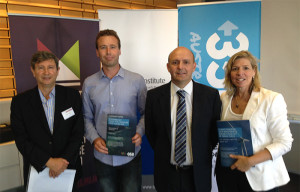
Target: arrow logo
point(227, 27)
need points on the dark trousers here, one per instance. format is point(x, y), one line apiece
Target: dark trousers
point(124, 178)
point(181, 179)
point(234, 181)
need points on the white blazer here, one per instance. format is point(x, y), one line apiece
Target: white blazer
point(270, 129)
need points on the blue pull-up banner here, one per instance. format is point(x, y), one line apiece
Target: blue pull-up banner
point(215, 31)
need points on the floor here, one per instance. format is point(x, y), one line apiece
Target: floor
point(292, 186)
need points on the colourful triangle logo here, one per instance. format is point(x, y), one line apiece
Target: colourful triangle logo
point(71, 59)
point(41, 46)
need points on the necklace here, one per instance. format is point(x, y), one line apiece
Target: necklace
point(243, 101)
point(236, 101)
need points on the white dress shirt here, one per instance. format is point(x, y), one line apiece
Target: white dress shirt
point(188, 101)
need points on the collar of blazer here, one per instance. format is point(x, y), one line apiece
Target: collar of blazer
point(38, 110)
point(165, 104)
point(251, 106)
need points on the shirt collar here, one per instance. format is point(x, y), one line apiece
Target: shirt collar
point(52, 95)
point(188, 88)
point(120, 73)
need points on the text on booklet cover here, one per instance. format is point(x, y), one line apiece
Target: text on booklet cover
point(234, 138)
point(120, 130)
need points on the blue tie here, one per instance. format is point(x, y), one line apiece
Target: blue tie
point(180, 139)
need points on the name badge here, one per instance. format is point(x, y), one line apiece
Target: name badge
point(68, 113)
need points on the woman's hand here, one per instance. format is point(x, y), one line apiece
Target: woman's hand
point(242, 164)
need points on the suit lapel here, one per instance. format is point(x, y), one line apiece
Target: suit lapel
point(38, 109)
point(59, 102)
point(196, 105)
point(165, 103)
point(252, 105)
point(225, 104)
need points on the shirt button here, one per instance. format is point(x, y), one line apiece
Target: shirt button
point(112, 105)
point(50, 142)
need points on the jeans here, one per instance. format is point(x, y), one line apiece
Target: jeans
point(124, 178)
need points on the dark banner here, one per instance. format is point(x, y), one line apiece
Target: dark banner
point(71, 40)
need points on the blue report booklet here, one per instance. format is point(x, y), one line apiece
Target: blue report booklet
point(234, 138)
point(120, 130)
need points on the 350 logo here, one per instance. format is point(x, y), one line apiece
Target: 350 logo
point(130, 154)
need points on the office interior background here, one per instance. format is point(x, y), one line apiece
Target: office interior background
point(283, 76)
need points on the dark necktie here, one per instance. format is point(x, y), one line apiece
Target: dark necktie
point(180, 138)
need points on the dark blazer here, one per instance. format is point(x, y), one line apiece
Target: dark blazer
point(206, 111)
point(32, 134)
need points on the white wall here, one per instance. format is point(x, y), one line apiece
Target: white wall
point(280, 61)
point(280, 50)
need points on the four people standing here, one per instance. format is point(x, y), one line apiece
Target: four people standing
point(180, 121)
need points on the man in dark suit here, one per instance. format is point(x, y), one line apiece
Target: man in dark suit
point(182, 136)
point(47, 121)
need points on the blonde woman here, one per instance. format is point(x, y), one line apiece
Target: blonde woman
point(271, 137)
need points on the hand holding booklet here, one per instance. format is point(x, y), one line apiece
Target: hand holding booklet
point(120, 130)
point(43, 182)
point(234, 138)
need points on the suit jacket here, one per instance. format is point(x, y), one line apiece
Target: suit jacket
point(32, 134)
point(267, 113)
point(206, 109)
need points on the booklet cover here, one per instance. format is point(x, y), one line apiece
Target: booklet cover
point(120, 130)
point(42, 182)
point(234, 138)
